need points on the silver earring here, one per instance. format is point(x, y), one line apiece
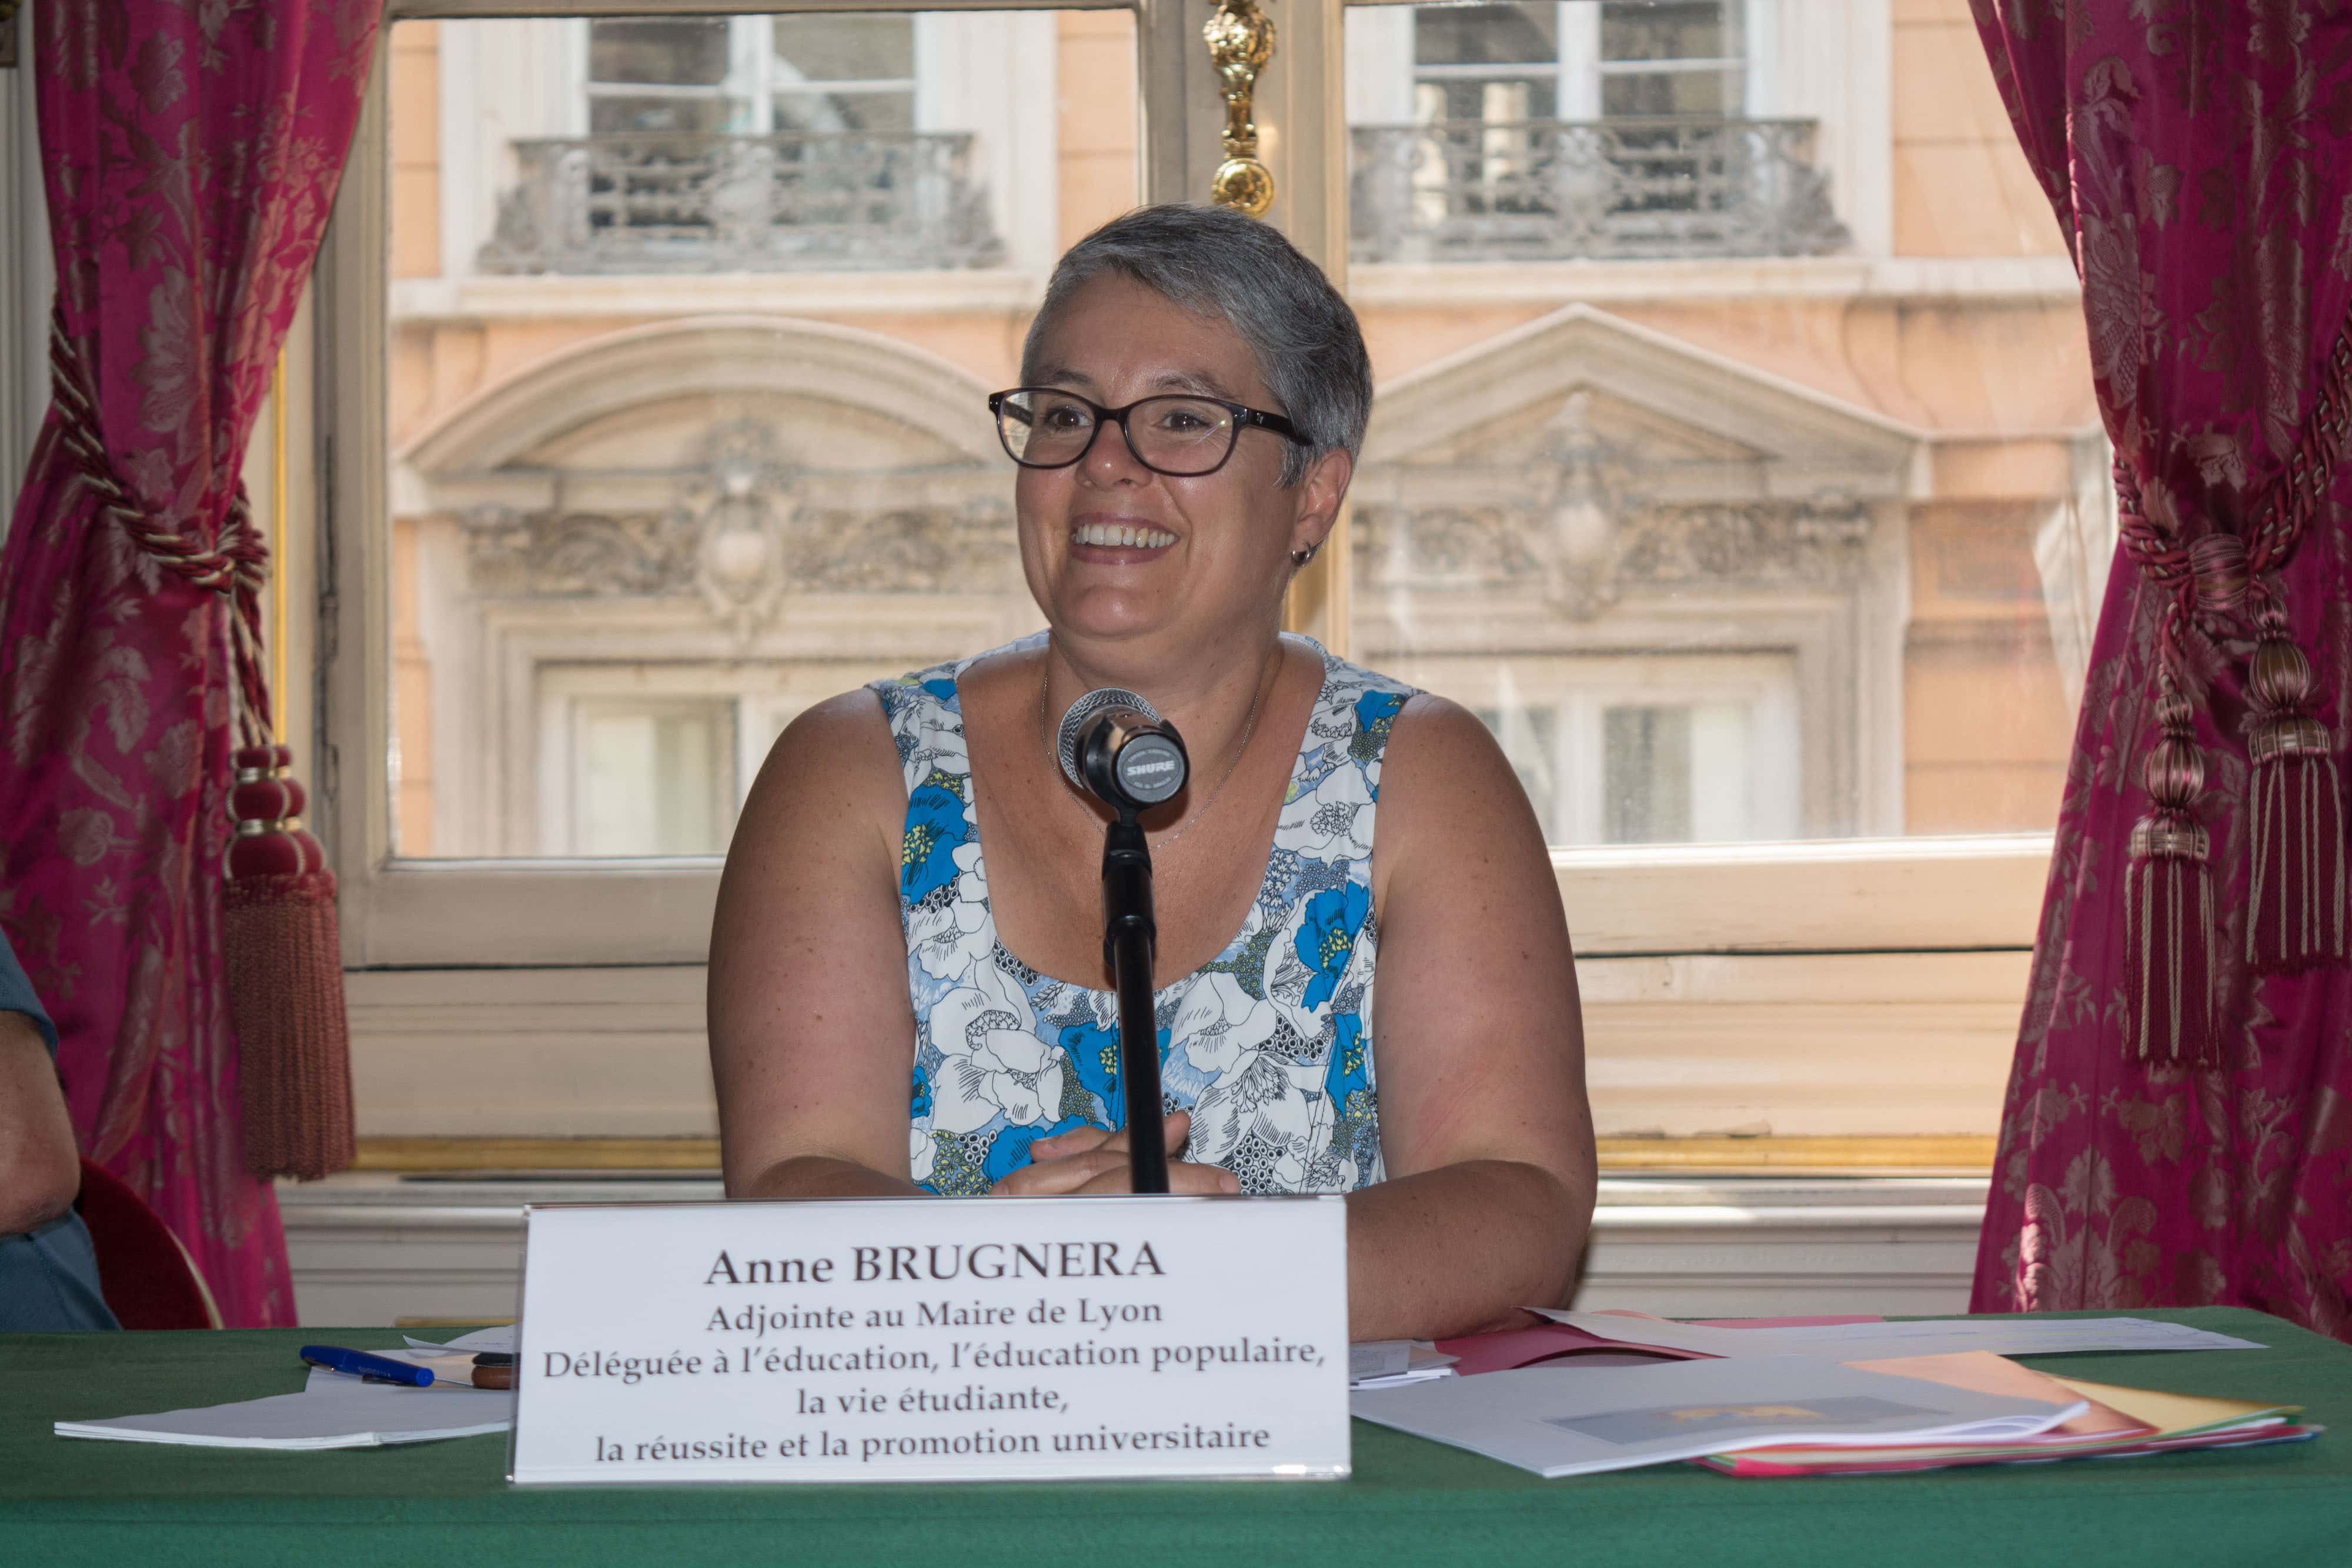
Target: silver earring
point(1301, 557)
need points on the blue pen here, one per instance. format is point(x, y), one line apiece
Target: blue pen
point(360, 1364)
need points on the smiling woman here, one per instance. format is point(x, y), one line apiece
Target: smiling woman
point(895, 1010)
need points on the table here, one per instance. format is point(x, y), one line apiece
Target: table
point(123, 1504)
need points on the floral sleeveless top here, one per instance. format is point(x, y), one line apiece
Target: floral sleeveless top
point(1269, 1045)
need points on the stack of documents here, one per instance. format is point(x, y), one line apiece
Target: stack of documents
point(1825, 1396)
point(334, 1409)
point(1574, 1421)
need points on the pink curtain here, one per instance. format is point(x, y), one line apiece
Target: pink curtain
point(191, 155)
point(2198, 155)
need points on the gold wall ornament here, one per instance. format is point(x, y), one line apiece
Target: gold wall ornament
point(1241, 41)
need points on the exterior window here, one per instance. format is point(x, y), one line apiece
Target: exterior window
point(1646, 750)
point(844, 73)
point(652, 779)
point(719, 74)
point(809, 141)
point(1582, 59)
point(1573, 128)
point(1684, 56)
point(1498, 64)
point(660, 74)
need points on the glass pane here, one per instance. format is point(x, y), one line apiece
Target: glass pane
point(655, 780)
point(1489, 64)
point(1486, 35)
point(846, 48)
point(1669, 29)
point(1624, 95)
point(1726, 534)
point(673, 51)
point(1646, 766)
point(690, 353)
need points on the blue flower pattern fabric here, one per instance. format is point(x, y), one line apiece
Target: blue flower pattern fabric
point(1269, 1045)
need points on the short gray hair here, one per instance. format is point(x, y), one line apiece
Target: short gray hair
point(1215, 262)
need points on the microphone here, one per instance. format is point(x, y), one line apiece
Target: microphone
point(1117, 748)
point(1115, 745)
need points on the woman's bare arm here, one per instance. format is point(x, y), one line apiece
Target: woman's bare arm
point(1485, 1128)
point(811, 1034)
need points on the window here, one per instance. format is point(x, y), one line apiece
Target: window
point(662, 74)
point(843, 73)
point(757, 74)
point(1705, 592)
point(1733, 459)
point(1684, 56)
point(1639, 750)
point(1577, 60)
point(1579, 127)
point(652, 779)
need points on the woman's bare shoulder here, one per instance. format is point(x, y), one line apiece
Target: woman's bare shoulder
point(1446, 789)
point(1438, 747)
point(834, 764)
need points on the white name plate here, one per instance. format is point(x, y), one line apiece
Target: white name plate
point(983, 1339)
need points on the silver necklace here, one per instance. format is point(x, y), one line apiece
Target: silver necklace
point(1248, 729)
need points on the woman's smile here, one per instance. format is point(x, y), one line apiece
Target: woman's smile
point(1119, 542)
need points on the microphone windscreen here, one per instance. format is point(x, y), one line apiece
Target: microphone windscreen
point(1066, 741)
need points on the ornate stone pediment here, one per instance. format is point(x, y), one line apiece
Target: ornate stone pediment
point(747, 528)
point(733, 460)
point(1582, 460)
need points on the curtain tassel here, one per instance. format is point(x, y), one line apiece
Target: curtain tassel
point(2168, 936)
point(286, 979)
point(2294, 814)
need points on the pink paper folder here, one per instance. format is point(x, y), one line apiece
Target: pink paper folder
point(1510, 1348)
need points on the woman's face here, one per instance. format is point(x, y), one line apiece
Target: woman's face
point(1207, 557)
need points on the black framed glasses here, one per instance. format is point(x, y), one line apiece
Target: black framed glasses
point(1181, 435)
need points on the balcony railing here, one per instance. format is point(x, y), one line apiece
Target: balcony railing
point(1476, 189)
point(789, 202)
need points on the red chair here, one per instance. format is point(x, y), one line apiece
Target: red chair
point(147, 1276)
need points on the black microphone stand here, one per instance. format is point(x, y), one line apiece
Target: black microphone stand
point(1130, 936)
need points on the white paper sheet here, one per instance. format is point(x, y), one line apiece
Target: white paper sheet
point(500, 1340)
point(1393, 1363)
point(1568, 1421)
point(2000, 1333)
point(336, 1411)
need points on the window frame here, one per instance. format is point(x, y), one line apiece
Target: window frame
point(1850, 896)
point(1577, 70)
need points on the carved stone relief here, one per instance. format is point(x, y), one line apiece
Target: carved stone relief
point(748, 527)
point(1579, 522)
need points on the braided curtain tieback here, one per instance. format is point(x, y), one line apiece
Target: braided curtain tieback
point(237, 565)
point(281, 953)
point(2297, 902)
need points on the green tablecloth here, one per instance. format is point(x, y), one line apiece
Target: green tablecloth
point(130, 1505)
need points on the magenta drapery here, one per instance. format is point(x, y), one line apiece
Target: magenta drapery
point(191, 155)
point(2198, 155)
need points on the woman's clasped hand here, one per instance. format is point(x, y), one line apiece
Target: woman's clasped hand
point(1087, 1160)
